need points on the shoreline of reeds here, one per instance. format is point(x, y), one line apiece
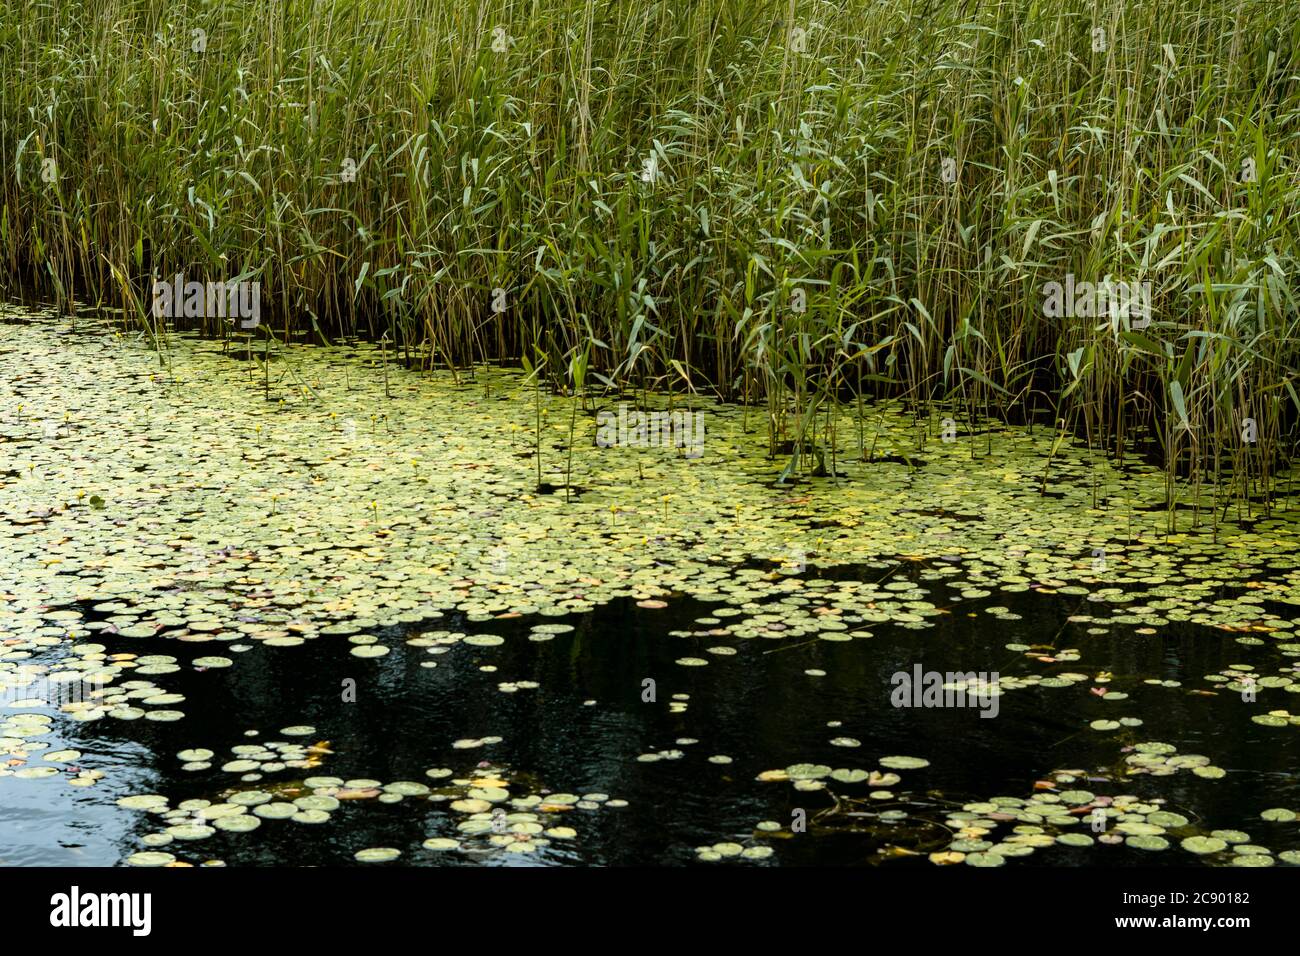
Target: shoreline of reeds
point(785, 203)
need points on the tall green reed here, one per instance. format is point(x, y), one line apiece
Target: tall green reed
point(785, 202)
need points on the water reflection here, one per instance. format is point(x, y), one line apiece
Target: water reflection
point(758, 707)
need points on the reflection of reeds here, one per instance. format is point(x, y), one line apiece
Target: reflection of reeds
point(870, 211)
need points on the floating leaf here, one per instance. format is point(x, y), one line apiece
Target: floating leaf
point(1203, 844)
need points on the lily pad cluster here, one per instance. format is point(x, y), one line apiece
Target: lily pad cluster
point(252, 761)
point(1158, 759)
point(487, 810)
point(175, 505)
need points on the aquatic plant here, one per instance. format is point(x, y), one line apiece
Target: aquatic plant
point(787, 203)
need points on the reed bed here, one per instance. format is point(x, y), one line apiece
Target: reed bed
point(792, 203)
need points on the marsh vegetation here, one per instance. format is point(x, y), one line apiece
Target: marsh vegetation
point(754, 350)
point(780, 202)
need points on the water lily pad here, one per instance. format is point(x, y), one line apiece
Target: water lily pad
point(317, 802)
point(441, 844)
point(325, 783)
point(406, 788)
point(1204, 844)
point(907, 763)
point(250, 798)
point(213, 663)
point(850, 776)
point(1074, 839)
point(191, 831)
point(1270, 720)
point(35, 773)
point(144, 801)
point(238, 824)
point(1252, 861)
point(381, 854)
point(1231, 836)
point(1148, 842)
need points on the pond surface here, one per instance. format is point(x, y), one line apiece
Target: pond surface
point(351, 577)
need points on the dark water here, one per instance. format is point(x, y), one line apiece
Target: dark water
point(758, 706)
